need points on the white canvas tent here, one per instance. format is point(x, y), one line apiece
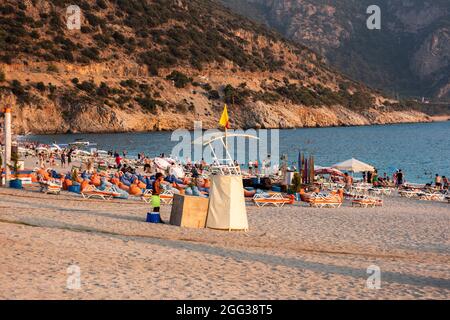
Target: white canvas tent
point(227, 209)
point(353, 165)
point(227, 204)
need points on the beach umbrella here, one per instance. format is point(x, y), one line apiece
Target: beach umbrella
point(330, 171)
point(353, 165)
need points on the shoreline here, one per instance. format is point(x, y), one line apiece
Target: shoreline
point(438, 119)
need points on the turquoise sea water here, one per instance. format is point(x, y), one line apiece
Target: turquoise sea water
point(420, 150)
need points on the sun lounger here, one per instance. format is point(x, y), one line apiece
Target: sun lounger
point(326, 201)
point(367, 201)
point(92, 192)
point(307, 197)
point(147, 196)
point(380, 191)
point(275, 199)
point(409, 193)
point(431, 196)
point(50, 186)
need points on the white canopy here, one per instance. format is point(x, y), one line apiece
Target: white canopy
point(353, 165)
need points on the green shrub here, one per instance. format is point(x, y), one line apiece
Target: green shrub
point(235, 95)
point(40, 86)
point(129, 83)
point(180, 80)
point(103, 90)
point(87, 86)
point(213, 95)
point(148, 103)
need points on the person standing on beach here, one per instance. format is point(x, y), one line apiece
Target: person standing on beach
point(348, 181)
point(399, 178)
point(256, 165)
point(438, 182)
point(156, 194)
point(375, 179)
point(63, 159)
point(41, 160)
point(445, 182)
point(118, 162)
point(250, 167)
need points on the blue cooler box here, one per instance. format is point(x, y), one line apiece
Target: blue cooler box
point(154, 217)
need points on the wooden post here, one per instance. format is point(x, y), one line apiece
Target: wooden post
point(7, 154)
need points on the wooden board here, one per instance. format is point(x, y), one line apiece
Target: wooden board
point(189, 211)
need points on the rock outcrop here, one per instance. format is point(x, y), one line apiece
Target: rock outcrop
point(160, 65)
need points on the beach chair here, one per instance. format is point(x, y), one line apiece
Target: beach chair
point(432, 196)
point(49, 186)
point(326, 201)
point(147, 196)
point(92, 192)
point(275, 199)
point(166, 196)
point(307, 197)
point(409, 193)
point(367, 201)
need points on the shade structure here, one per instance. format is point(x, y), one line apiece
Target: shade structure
point(353, 165)
point(330, 171)
point(227, 204)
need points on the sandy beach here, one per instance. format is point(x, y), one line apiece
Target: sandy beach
point(294, 252)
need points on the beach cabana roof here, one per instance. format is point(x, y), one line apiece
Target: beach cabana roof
point(353, 165)
point(330, 171)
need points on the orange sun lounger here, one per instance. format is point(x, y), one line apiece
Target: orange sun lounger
point(366, 202)
point(323, 201)
point(276, 199)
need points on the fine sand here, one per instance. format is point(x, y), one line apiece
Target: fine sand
point(294, 252)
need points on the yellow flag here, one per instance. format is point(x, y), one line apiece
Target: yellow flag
point(224, 120)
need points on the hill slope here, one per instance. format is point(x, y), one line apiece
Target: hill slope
point(410, 55)
point(161, 64)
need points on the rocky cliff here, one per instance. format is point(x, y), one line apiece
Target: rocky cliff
point(409, 55)
point(161, 64)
